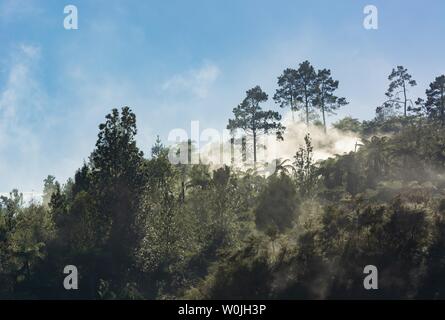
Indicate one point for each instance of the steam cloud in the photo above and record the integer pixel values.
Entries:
(326, 145)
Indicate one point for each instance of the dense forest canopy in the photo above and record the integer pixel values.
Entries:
(139, 226)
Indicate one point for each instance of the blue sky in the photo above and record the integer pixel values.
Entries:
(178, 61)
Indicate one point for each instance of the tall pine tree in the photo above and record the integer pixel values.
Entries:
(250, 117)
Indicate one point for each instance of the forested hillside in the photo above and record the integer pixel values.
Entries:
(140, 227)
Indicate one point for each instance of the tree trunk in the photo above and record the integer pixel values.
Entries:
(324, 118)
(244, 149)
(404, 100)
(254, 148)
(182, 191)
(442, 106)
(292, 109)
(232, 151)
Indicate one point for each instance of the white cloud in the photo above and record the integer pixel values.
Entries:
(195, 81)
(21, 99)
(20, 85)
(30, 51)
(21, 96)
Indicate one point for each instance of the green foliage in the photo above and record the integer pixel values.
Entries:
(144, 228)
(159, 212)
(277, 206)
(397, 94)
(158, 149)
(49, 187)
(297, 89)
(435, 103)
(348, 124)
(240, 274)
(117, 183)
(23, 244)
(306, 84)
(287, 94)
(324, 98)
(305, 170)
(306, 90)
(250, 117)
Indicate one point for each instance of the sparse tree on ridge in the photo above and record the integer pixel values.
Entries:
(287, 93)
(250, 117)
(325, 100)
(435, 102)
(397, 92)
(306, 77)
(297, 89)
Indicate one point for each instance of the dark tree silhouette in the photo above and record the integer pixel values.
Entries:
(397, 92)
(306, 78)
(324, 99)
(287, 93)
(435, 102)
(116, 169)
(250, 117)
(296, 89)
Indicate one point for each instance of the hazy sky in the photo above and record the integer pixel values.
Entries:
(177, 61)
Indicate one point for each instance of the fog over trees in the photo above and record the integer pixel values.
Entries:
(138, 226)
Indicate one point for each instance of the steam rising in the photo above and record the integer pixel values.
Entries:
(326, 145)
